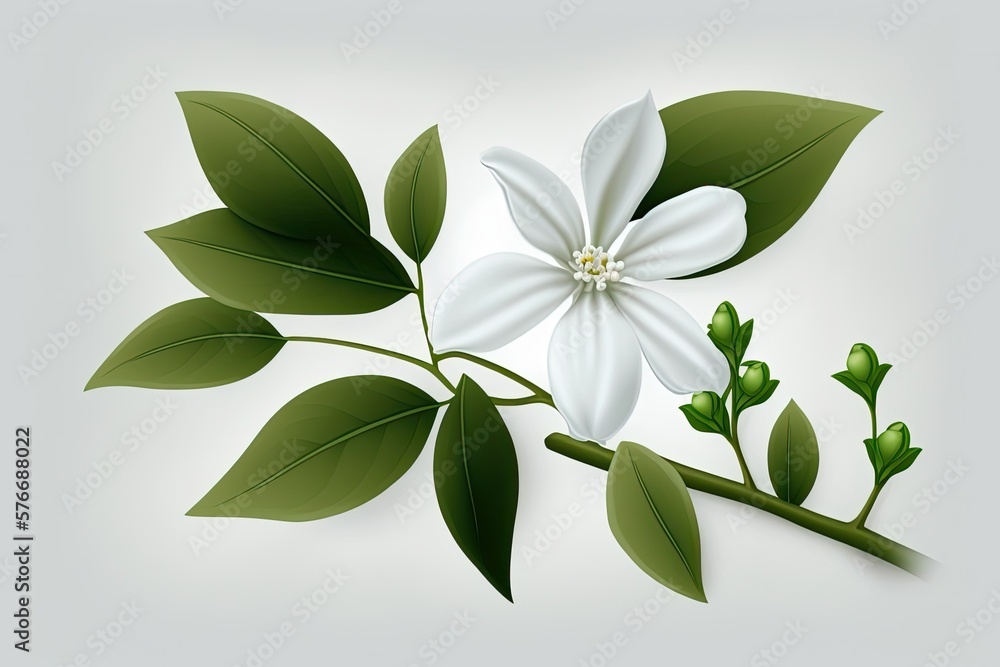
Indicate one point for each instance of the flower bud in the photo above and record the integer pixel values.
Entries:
(725, 322)
(895, 439)
(861, 362)
(755, 377)
(705, 403)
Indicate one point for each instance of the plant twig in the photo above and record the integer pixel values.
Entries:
(858, 537)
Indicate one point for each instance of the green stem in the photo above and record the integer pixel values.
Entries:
(846, 533)
(526, 400)
(862, 517)
(744, 468)
(423, 313)
(539, 394)
(734, 438)
(871, 408)
(430, 367)
(859, 521)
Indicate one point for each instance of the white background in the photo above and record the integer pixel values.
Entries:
(210, 603)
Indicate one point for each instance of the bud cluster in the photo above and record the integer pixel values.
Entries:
(890, 453)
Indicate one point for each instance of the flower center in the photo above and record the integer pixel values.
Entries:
(595, 268)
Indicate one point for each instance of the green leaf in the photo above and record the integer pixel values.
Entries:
(328, 450)
(245, 266)
(776, 149)
(698, 421)
(475, 474)
(743, 339)
(879, 376)
(900, 464)
(873, 453)
(792, 455)
(415, 195)
(746, 402)
(653, 519)
(192, 344)
(860, 388)
(273, 168)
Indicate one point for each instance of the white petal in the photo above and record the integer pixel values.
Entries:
(542, 206)
(683, 235)
(621, 159)
(594, 368)
(676, 347)
(495, 300)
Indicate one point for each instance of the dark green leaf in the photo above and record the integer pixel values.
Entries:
(273, 168)
(245, 266)
(653, 519)
(193, 344)
(860, 388)
(793, 455)
(328, 450)
(879, 376)
(698, 421)
(415, 195)
(475, 474)
(873, 453)
(900, 464)
(743, 338)
(766, 393)
(776, 149)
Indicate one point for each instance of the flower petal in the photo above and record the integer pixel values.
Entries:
(621, 159)
(693, 231)
(542, 206)
(594, 368)
(495, 300)
(677, 348)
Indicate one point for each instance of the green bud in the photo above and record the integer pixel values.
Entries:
(894, 440)
(755, 377)
(725, 322)
(861, 362)
(705, 403)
